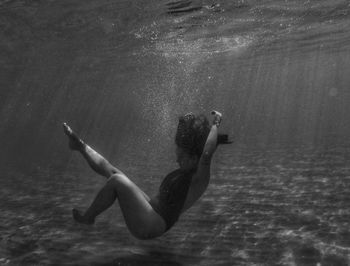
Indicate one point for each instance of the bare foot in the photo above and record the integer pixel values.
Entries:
(75, 143)
(80, 218)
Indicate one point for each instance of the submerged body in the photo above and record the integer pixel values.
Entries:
(170, 200)
(147, 217)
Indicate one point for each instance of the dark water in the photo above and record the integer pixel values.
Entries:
(120, 72)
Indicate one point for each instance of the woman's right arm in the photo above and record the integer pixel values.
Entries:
(200, 179)
(211, 143)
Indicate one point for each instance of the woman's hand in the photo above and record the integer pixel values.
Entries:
(217, 118)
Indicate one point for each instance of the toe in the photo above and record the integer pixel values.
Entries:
(67, 129)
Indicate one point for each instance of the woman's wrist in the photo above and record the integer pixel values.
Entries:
(217, 118)
(216, 121)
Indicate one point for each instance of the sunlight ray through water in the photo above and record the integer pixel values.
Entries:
(121, 72)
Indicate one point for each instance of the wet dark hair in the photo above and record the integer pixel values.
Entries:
(192, 133)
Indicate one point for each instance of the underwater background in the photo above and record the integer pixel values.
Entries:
(122, 72)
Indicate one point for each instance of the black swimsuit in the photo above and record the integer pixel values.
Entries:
(171, 197)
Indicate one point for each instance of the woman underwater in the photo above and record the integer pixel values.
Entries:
(146, 217)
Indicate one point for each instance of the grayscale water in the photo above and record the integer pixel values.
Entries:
(121, 72)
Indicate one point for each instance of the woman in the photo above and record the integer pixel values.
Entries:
(148, 217)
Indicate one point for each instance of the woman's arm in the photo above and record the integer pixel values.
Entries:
(211, 143)
(210, 146)
(200, 179)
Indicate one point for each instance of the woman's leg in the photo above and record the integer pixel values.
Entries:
(96, 161)
(142, 221)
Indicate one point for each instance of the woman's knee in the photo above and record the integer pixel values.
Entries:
(117, 179)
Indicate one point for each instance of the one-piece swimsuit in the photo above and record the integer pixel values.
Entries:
(171, 197)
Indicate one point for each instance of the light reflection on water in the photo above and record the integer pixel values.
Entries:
(261, 208)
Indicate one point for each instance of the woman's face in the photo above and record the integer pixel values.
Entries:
(186, 161)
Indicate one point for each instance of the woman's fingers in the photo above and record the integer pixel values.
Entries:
(216, 113)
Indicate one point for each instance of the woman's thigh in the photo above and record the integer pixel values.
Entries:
(140, 217)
